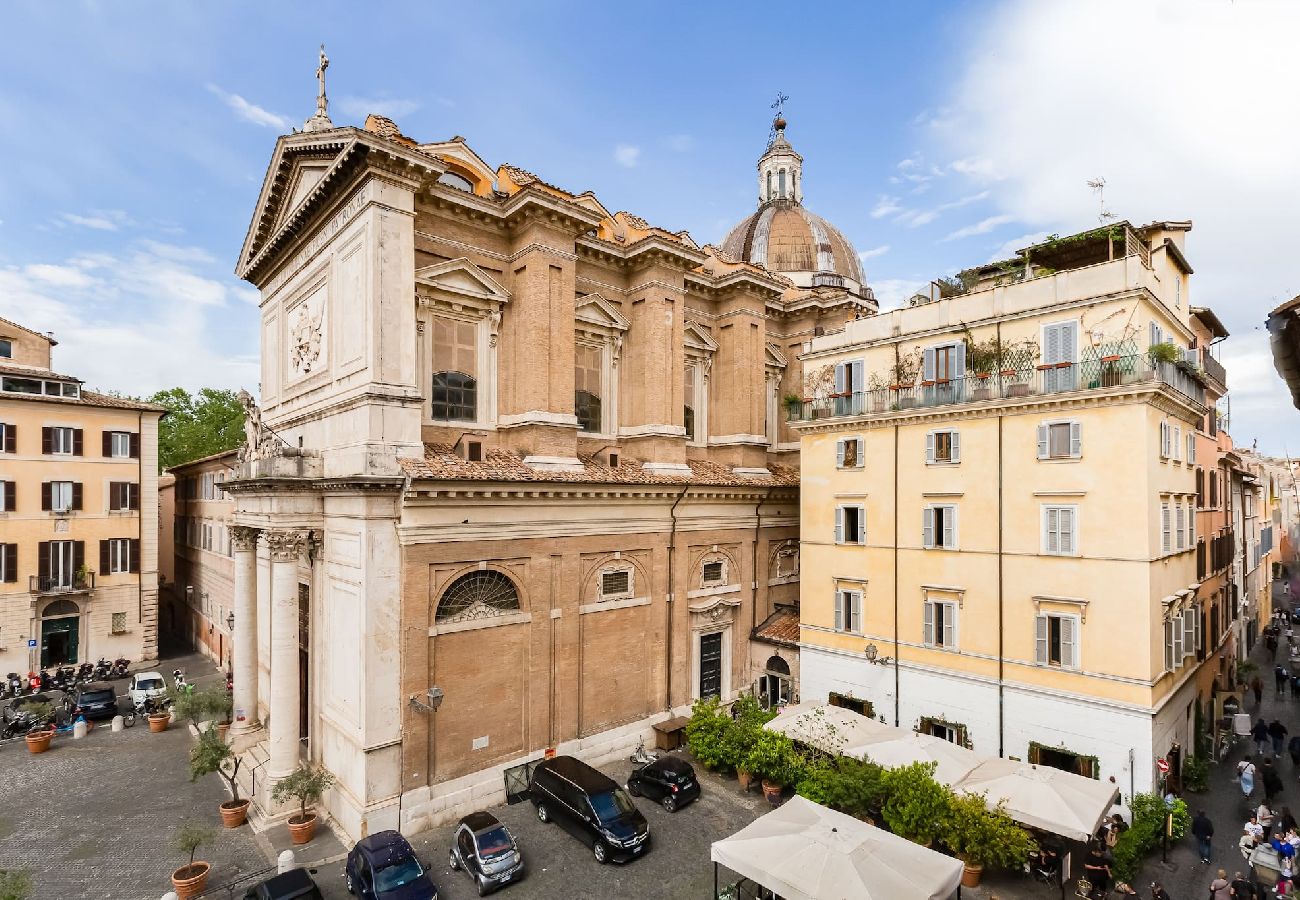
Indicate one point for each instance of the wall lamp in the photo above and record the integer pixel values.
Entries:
(434, 695)
(874, 657)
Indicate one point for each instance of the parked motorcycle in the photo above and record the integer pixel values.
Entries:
(13, 684)
(178, 679)
(121, 665)
(85, 672)
(33, 682)
(102, 668)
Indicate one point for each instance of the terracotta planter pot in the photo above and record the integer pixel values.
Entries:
(39, 741)
(190, 880)
(222, 729)
(745, 779)
(159, 722)
(981, 393)
(971, 875)
(234, 813)
(302, 831)
(772, 791)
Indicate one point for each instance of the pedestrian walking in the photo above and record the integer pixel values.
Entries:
(1271, 643)
(1264, 815)
(1278, 732)
(1260, 733)
(1272, 781)
(1242, 889)
(1203, 828)
(1221, 887)
(1246, 777)
(1257, 688)
(1280, 678)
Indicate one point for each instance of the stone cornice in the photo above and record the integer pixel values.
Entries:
(534, 204)
(348, 484)
(422, 493)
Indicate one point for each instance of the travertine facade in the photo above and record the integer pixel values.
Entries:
(78, 507)
(520, 478)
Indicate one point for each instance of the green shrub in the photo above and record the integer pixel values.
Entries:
(706, 731)
(15, 884)
(212, 754)
(917, 806)
(772, 757)
(1196, 774)
(981, 836)
(852, 786)
(1146, 832)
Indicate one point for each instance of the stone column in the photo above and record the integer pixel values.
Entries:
(244, 541)
(286, 547)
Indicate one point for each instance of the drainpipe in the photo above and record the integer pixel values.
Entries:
(898, 699)
(668, 607)
(1001, 630)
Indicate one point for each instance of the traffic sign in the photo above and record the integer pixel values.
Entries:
(1163, 766)
(31, 642)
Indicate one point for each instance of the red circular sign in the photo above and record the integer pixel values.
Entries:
(1162, 765)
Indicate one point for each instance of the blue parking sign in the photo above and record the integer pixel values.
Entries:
(31, 642)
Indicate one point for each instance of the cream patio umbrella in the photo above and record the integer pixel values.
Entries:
(829, 728)
(952, 761)
(804, 851)
(1042, 797)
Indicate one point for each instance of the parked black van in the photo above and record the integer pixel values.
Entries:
(591, 806)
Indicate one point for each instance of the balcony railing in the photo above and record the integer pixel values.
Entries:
(1213, 368)
(62, 584)
(1009, 385)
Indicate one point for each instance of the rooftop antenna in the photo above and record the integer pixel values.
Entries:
(778, 106)
(1098, 186)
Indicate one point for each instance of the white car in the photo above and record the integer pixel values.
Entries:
(147, 686)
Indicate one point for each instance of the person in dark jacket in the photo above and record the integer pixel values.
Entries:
(1257, 688)
(1203, 829)
(1280, 678)
(1260, 734)
(1293, 747)
(1278, 732)
(1272, 781)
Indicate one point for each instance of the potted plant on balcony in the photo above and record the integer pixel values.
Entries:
(213, 754)
(983, 358)
(981, 837)
(793, 405)
(1163, 352)
(1018, 360)
(42, 732)
(305, 784)
(190, 879)
(904, 371)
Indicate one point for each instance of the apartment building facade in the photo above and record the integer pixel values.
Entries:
(201, 594)
(998, 508)
(78, 507)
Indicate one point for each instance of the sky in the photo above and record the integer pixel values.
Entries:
(935, 135)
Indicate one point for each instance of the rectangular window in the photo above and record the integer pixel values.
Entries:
(1060, 440)
(1166, 440)
(939, 527)
(1191, 447)
(848, 611)
(1214, 489)
(1056, 643)
(1191, 526)
(713, 573)
(941, 624)
(119, 623)
(851, 524)
(1180, 525)
(1200, 488)
(1060, 353)
(8, 563)
(1166, 530)
(8, 496)
(60, 564)
(688, 401)
(119, 556)
(848, 453)
(615, 583)
(123, 495)
(8, 438)
(117, 444)
(455, 371)
(1060, 530)
(943, 446)
(1176, 442)
(1173, 642)
(588, 377)
(60, 496)
(62, 440)
(6, 349)
(1189, 632)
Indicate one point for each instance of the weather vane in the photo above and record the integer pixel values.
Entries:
(778, 106)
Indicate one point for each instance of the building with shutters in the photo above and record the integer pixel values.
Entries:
(998, 508)
(78, 515)
(520, 477)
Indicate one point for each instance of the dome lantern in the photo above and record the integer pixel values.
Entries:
(780, 169)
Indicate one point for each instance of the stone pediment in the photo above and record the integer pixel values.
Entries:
(594, 309)
(461, 277)
(305, 177)
(698, 338)
(774, 357)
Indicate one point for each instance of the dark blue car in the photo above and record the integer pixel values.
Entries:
(383, 866)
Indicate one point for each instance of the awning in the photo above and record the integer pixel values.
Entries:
(1042, 797)
(952, 762)
(804, 851)
(828, 728)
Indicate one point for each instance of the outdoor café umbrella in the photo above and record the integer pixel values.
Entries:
(828, 728)
(1043, 797)
(804, 851)
(952, 761)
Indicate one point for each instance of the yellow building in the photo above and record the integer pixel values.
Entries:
(78, 515)
(998, 507)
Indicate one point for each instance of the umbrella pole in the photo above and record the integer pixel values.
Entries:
(715, 881)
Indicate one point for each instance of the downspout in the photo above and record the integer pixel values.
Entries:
(1001, 561)
(668, 607)
(898, 700)
(139, 531)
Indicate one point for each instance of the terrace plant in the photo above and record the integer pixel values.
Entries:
(917, 807)
(213, 755)
(983, 837)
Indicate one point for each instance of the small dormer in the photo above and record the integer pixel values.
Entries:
(23, 347)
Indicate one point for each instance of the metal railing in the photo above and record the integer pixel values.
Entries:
(62, 584)
(1011, 384)
(1213, 368)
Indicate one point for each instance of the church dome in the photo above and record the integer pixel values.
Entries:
(787, 238)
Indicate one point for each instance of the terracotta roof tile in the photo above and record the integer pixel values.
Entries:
(440, 463)
(782, 627)
(33, 372)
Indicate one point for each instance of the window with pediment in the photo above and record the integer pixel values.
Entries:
(599, 327)
(454, 390)
(588, 382)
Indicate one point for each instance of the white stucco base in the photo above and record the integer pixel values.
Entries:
(1125, 739)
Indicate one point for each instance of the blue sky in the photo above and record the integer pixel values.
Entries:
(935, 135)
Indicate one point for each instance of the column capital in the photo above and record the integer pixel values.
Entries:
(286, 544)
(243, 537)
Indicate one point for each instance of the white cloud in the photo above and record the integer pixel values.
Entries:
(891, 293)
(983, 226)
(1208, 145)
(915, 218)
(679, 142)
(392, 107)
(873, 252)
(885, 206)
(251, 112)
(98, 219)
(627, 155)
(58, 276)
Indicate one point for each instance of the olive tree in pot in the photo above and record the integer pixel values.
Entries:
(305, 784)
(748, 718)
(213, 754)
(982, 837)
(190, 879)
(42, 730)
(771, 757)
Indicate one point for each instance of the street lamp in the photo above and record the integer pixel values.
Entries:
(230, 621)
(874, 657)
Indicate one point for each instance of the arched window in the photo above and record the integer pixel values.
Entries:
(780, 184)
(778, 665)
(451, 179)
(455, 397)
(60, 608)
(478, 595)
(769, 185)
(587, 407)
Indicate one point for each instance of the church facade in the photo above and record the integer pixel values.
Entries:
(520, 476)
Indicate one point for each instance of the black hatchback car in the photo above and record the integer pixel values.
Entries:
(591, 806)
(486, 850)
(382, 866)
(95, 700)
(295, 884)
(670, 781)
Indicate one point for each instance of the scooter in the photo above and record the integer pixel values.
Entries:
(121, 665)
(33, 682)
(178, 679)
(86, 672)
(102, 668)
(642, 756)
(14, 684)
